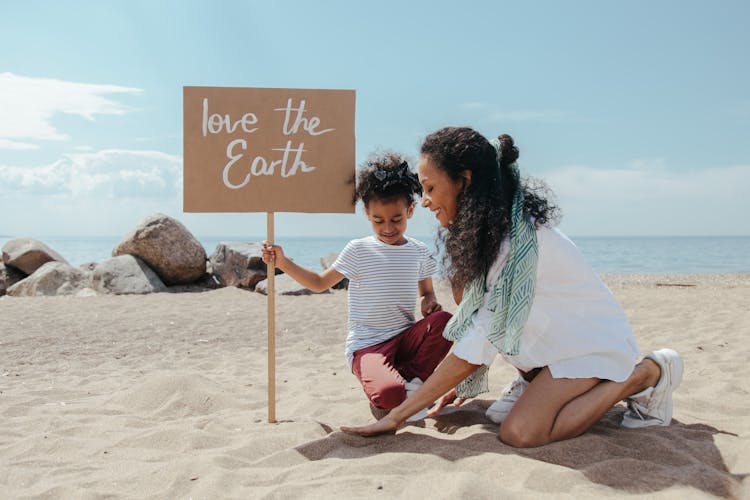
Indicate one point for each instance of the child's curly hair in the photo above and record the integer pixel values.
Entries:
(387, 177)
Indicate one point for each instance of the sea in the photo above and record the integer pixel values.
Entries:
(607, 255)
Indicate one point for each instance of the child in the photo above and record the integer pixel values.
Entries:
(385, 347)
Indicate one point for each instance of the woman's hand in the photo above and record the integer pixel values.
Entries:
(448, 398)
(386, 425)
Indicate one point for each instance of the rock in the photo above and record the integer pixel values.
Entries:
(327, 261)
(285, 285)
(205, 284)
(167, 247)
(53, 278)
(125, 275)
(28, 255)
(238, 264)
(9, 276)
(88, 266)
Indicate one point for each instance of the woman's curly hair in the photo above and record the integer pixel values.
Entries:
(483, 208)
(387, 177)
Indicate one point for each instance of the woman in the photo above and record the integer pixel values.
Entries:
(524, 291)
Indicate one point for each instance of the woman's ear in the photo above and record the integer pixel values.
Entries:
(466, 175)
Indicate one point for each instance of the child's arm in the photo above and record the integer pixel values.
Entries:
(429, 302)
(305, 277)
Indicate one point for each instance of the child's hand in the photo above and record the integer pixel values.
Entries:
(273, 254)
(430, 305)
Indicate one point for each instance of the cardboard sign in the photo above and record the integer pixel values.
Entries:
(268, 150)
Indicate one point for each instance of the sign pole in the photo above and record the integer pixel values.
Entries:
(271, 272)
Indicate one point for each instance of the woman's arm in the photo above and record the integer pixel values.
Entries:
(449, 372)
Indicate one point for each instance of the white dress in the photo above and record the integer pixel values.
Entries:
(576, 327)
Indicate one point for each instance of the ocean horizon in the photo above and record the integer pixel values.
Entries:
(605, 254)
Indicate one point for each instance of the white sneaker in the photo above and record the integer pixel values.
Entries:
(411, 387)
(500, 408)
(653, 405)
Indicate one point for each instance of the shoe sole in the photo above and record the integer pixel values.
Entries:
(671, 359)
(676, 368)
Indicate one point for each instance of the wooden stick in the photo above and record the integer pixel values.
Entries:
(271, 271)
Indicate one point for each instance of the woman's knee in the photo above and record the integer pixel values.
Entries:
(515, 433)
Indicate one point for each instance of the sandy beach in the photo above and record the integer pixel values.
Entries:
(164, 396)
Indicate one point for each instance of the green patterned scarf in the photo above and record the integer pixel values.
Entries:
(510, 299)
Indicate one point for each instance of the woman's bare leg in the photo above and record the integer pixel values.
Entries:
(553, 409)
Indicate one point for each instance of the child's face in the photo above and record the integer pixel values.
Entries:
(439, 191)
(388, 219)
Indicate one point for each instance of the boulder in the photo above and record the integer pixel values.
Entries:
(168, 248)
(88, 266)
(238, 264)
(285, 285)
(28, 255)
(205, 284)
(53, 278)
(9, 276)
(125, 275)
(327, 261)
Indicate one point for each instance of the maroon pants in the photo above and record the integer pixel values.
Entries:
(415, 352)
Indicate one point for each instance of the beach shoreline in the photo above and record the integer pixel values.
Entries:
(164, 396)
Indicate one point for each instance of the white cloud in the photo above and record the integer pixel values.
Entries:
(646, 198)
(29, 104)
(106, 174)
(7, 144)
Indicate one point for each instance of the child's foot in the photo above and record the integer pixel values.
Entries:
(653, 405)
(500, 408)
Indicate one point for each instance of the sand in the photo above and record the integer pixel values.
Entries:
(164, 396)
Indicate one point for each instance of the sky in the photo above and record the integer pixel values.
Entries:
(636, 114)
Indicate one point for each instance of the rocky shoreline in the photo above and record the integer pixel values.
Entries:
(159, 255)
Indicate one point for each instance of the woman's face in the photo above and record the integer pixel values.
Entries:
(439, 191)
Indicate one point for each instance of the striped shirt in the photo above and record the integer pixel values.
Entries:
(383, 288)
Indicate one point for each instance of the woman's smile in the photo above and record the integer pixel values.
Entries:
(439, 191)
